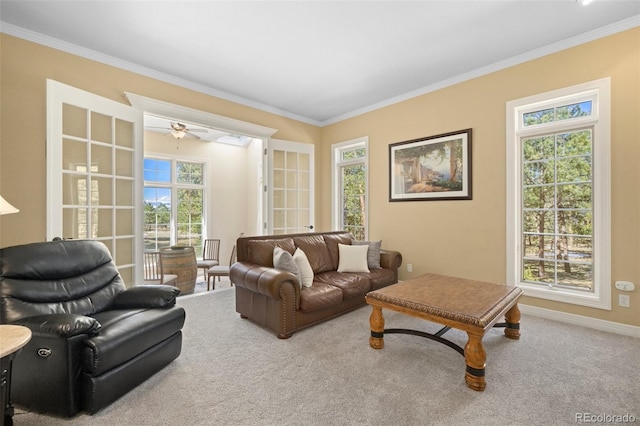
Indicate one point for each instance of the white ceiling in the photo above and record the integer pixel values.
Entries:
(317, 61)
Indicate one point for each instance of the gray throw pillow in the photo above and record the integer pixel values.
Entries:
(373, 254)
(282, 259)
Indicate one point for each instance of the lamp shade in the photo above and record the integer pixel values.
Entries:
(6, 208)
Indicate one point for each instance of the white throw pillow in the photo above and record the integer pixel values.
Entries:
(282, 259)
(352, 258)
(305, 267)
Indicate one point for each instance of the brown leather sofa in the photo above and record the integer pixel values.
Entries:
(274, 298)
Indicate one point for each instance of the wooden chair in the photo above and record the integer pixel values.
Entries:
(153, 270)
(210, 255)
(220, 270)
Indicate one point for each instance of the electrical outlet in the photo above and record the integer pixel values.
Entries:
(624, 300)
(409, 267)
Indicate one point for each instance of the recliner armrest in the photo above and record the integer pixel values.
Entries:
(62, 325)
(147, 296)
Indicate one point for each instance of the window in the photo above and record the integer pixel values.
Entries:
(350, 187)
(173, 203)
(558, 202)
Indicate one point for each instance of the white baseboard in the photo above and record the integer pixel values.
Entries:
(598, 324)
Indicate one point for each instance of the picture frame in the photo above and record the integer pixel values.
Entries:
(431, 168)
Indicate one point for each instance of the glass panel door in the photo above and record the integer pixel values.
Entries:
(290, 187)
(91, 173)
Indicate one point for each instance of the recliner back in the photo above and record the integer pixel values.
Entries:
(72, 276)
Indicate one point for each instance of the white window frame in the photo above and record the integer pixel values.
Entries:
(336, 182)
(599, 92)
(174, 186)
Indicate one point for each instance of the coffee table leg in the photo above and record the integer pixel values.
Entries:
(475, 357)
(376, 320)
(512, 317)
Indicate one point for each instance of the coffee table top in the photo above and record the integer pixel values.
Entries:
(470, 302)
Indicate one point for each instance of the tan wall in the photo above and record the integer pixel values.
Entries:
(462, 238)
(24, 68)
(467, 238)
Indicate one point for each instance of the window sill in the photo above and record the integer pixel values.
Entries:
(591, 300)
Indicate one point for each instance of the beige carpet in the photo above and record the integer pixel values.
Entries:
(232, 372)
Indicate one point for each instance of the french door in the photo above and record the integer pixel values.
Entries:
(290, 187)
(94, 158)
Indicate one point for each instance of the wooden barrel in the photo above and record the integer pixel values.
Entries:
(180, 261)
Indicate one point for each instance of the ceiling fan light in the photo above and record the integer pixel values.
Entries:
(178, 134)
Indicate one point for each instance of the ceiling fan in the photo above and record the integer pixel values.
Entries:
(179, 131)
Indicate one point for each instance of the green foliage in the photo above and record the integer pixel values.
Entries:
(353, 198)
(557, 202)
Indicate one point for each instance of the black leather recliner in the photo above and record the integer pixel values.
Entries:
(93, 340)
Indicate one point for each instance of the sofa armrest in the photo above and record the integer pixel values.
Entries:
(61, 325)
(390, 259)
(147, 296)
(263, 279)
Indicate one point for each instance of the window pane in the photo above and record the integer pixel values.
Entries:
(538, 197)
(575, 275)
(580, 109)
(576, 169)
(353, 153)
(538, 148)
(539, 271)
(157, 218)
(189, 173)
(538, 172)
(574, 196)
(538, 247)
(574, 143)
(157, 170)
(190, 214)
(538, 221)
(538, 117)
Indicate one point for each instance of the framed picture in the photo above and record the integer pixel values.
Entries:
(432, 168)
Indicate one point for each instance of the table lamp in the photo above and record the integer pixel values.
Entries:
(6, 208)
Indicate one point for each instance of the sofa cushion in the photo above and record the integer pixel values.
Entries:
(282, 259)
(379, 278)
(332, 241)
(261, 251)
(373, 255)
(353, 258)
(306, 272)
(319, 296)
(316, 250)
(352, 285)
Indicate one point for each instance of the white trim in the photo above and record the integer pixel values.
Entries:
(195, 116)
(601, 122)
(74, 49)
(57, 95)
(336, 192)
(94, 55)
(596, 34)
(299, 148)
(594, 323)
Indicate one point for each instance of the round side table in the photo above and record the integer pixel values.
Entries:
(12, 339)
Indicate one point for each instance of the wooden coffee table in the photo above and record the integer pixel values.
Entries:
(471, 306)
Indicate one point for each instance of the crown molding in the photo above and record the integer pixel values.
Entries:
(93, 55)
(54, 43)
(601, 32)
